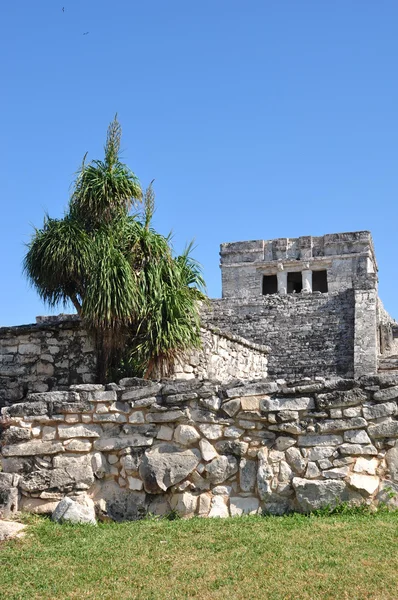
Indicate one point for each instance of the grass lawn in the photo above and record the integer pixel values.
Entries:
(351, 557)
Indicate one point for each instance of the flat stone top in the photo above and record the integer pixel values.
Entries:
(353, 242)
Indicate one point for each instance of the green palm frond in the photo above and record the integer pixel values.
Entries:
(105, 190)
(58, 260)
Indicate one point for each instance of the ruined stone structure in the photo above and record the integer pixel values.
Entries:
(313, 300)
(291, 404)
(202, 448)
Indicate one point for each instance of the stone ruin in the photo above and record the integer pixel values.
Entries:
(290, 405)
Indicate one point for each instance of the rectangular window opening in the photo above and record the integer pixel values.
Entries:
(270, 285)
(294, 283)
(319, 281)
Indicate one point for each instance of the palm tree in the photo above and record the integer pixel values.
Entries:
(133, 296)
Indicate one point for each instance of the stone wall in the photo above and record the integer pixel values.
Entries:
(43, 356)
(308, 334)
(56, 352)
(201, 448)
(223, 356)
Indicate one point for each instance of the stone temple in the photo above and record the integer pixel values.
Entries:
(312, 300)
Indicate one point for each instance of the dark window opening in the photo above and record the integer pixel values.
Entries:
(270, 284)
(294, 283)
(319, 281)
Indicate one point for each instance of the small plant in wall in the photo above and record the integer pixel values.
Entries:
(138, 300)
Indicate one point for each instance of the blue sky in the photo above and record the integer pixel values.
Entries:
(256, 119)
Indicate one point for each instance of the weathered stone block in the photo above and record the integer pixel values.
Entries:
(243, 506)
(313, 495)
(221, 468)
(119, 443)
(79, 431)
(279, 404)
(33, 448)
(166, 465)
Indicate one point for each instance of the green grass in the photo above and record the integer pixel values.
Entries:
(347, 556)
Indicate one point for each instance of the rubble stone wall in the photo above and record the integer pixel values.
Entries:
(223, 356)
(56, 353)
(43, 356)
(202, 448)
(308, 334)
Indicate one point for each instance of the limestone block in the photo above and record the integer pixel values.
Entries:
(386, 394)
(99, 465)
(165, 417)
(357, 449)
(38, 506)
(204, 505)
(184, 504)
(244, 506)
(234, 447)
(213, 403)
(388, 428)
(109, 418)
(367, 465)
(134, 483)
(330, 426)
(139, 393)
(356, 437)
(233, 432)
(285, 472)
(218, 507)
(337, 399)
(296, 460)
(10, 530)
(284, 442)
(312, 471)
(212, 432)
(102, 396)
(364, 483)
(77, 468)
(392, 463)
(208, 451)
(280, 404)
(222, 490)
(79, 431)
(247, 475)
(319, 440)
(221, 468)
(33, 448)
(264, 475)
(165, 433)
(14, 435)
(8, 495)
(72, 418)
(167, 465)
(231, 407)
(353, 411)
(186, 435)
(77, 445)
(379, 410)
(49, 433)
(69, 510)
(137, 417)
(313, 494)
(320, 453)
(119, 443)
(336, 473)
(250, 403)
(388, 494)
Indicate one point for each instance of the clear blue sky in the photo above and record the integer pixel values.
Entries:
(257, 119)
